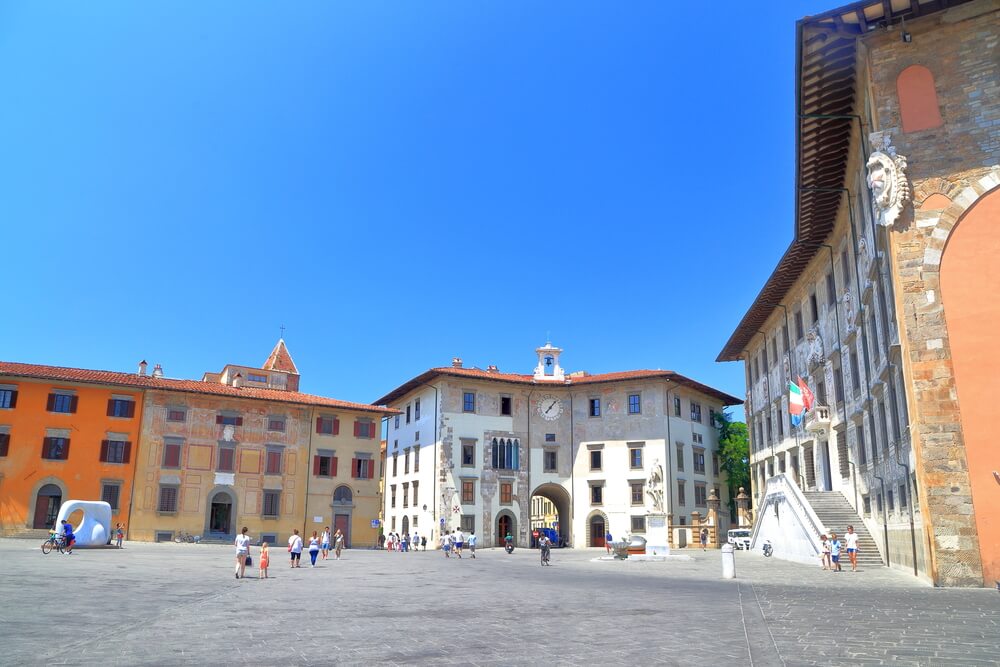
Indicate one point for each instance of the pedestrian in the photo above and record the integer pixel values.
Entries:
(415, 542)
(851, 542)
(325, 542)
(459, 542)
(313, 548)
(446, 544)
(381, 541)
(265, 559)
(824, 551)
(607, 541)
(68, 535)
(835, 551)
(119, 534)
(405, 542)
(472, 543)
(295, 548)
(545, 545)
(423, 542)
(242, 552)
(338, 543)
(704, 538)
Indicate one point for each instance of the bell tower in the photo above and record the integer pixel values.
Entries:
(548, 367)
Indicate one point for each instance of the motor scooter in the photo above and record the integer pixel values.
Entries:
(508, 546)
(768, 548)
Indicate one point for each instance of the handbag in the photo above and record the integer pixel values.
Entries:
(249, 561)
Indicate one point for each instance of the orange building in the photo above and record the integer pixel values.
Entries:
(65, 433)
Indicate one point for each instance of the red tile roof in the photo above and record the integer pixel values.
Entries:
(83, 375)
(280, 359)
(571, 380)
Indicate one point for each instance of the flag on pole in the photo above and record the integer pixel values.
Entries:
(795, 404)
(808, 398)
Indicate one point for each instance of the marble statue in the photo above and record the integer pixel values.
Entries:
(786, 367)
(95, 529)
(655, 486)
(887, 179)
(815, 343)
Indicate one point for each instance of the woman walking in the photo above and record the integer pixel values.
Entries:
(338, 543)
(295, 548)
(325, 542)
(242, 552)
(313, 548)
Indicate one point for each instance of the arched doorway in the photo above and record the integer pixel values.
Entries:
(221, 513)
(550, 510)
(597, 528)
(969, 278)
(406, 524)
(343, 509)
(506, 525)
(48, 500)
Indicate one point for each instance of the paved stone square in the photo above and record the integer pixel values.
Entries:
(168, 604)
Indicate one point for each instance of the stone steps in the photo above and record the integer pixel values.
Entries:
(836, 514)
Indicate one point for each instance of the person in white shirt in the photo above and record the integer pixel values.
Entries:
(851, 541)
(242, 552)
(459, 542)
(415, 542)
(472, 543)
(324, 541)
(295, 548)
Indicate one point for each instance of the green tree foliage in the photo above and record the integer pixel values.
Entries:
(734, 454)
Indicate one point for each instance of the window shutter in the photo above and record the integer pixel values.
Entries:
(104, 450)
(333, 467)
(218, 419)
(72, 404)
(336, 427)
(316, 465)
(50, 404)
(319, 422)
(45, 447)
(13, 399)
(131, 409)
(357, 428)
(66, 450)
(239, 421)
(111, 409)
(126, 457)
(371, 472)
(354, 468)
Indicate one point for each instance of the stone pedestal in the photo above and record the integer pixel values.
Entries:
(657, 534)
(743, 509)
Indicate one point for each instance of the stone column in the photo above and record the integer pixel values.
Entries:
(713, 520)
(743, 509)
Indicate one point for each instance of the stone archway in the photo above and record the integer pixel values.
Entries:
(220, 517)
(343, 512)
(506, 524)
(597, 528)
(970, 281)
(558, 500)
(46, 500)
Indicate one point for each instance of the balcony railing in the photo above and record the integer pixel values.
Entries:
(818, 419)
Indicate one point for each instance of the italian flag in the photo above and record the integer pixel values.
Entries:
(795, 403)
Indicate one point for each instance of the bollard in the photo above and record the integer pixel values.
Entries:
(728, 562)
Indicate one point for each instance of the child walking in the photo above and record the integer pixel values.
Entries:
(264, 558)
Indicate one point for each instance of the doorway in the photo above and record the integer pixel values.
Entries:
(406, 524)
(598, 529)
(47, 504)
(827, 474)
(550, 505)
(342, 522)
(220, 514)
(505, 527)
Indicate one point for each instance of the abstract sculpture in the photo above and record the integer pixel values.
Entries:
(95, 529)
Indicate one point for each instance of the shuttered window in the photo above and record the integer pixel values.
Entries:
(116, 451)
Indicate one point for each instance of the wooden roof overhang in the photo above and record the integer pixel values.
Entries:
(826, 52)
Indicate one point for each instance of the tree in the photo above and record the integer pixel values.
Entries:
(734, 454)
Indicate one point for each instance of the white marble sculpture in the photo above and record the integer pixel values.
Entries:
(815, 342)
(655, 486)
(887, 179)
(95, 529)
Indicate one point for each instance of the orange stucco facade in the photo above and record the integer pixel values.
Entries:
(57, 447)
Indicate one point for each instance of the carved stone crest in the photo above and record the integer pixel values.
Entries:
(887, 179)
(815, 343)
(849, 313)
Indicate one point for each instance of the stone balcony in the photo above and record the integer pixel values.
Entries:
(818, 419)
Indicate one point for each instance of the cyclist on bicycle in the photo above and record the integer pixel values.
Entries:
(69, 536)
(545, 544)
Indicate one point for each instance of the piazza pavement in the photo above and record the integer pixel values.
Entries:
(174, 604)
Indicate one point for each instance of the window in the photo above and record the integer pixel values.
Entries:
(121, 407)
(273, 462)
(831, 290)
(715, 464)
(272, 500)
(873, 340)
(406, 494)
(416, 409)
(364, 429)
(276, 423)
(362, 468)
(115, 451)
(638, 524)
(878, 502)
(8, 398)
(416, 459)
(505, 405)
(697, 438)
(855, 373)
(550, 437)
(468, 491)
(918, 101)
(392, 497)
(638, 491)
(468, 523)
(549, 460)
(229, 420)
(699, 461)
(468, 402)
(168, 499)
(327, 425)
(596, 459)
(396, 422)
(866, 504)
(862, 448)
(681, 495)
(61, 403)
(416, 493)
(634, 406)
(814, 308)
(110, 494)
(677, 406)
(4, 444)
(711, 417)
(781, 425)
(838, 385)
(890, 502)
(393, 520)
(845, 267)
(635, 457)
(700, 497)
(408, 409)
(406, 461)
(227, 459)
(172, 452)
(176, 414)
(395, 463)
(695, 412)
(596, 494)
(902, 496)
(595, 407)
(799, 331)
(55, 449)
(256, 377)
(506, 454)
(468, 454)
(506, 492)
(415, 521)
(680, 458)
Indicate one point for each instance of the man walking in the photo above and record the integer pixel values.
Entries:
(459, 542)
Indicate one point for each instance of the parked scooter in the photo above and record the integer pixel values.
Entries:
(768, 548)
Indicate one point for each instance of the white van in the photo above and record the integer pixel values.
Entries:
(739, 538)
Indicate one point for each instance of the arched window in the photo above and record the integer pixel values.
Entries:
(918, 102)
(343, 495)
(506, 454)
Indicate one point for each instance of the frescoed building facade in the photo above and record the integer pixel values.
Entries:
(884, 301)
(476, 449)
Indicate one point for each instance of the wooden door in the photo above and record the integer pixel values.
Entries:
(504, 528)
(47, 506)
(342, 522)
(597, 532)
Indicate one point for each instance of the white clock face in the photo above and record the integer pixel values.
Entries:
(549, 407)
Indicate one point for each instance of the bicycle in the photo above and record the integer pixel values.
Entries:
(546, 554)
(185, 537)
(55, 541)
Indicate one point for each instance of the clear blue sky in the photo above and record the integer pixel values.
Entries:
(396, 183)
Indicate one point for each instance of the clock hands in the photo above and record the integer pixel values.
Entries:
(552, 405)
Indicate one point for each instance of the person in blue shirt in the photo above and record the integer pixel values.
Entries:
(70, 537)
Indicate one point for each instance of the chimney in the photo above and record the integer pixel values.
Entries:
(142, 367)
(238, 380)
(456, 362)
(492, 369)
(157, 371)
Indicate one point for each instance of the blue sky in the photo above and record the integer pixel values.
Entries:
(395, 183)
